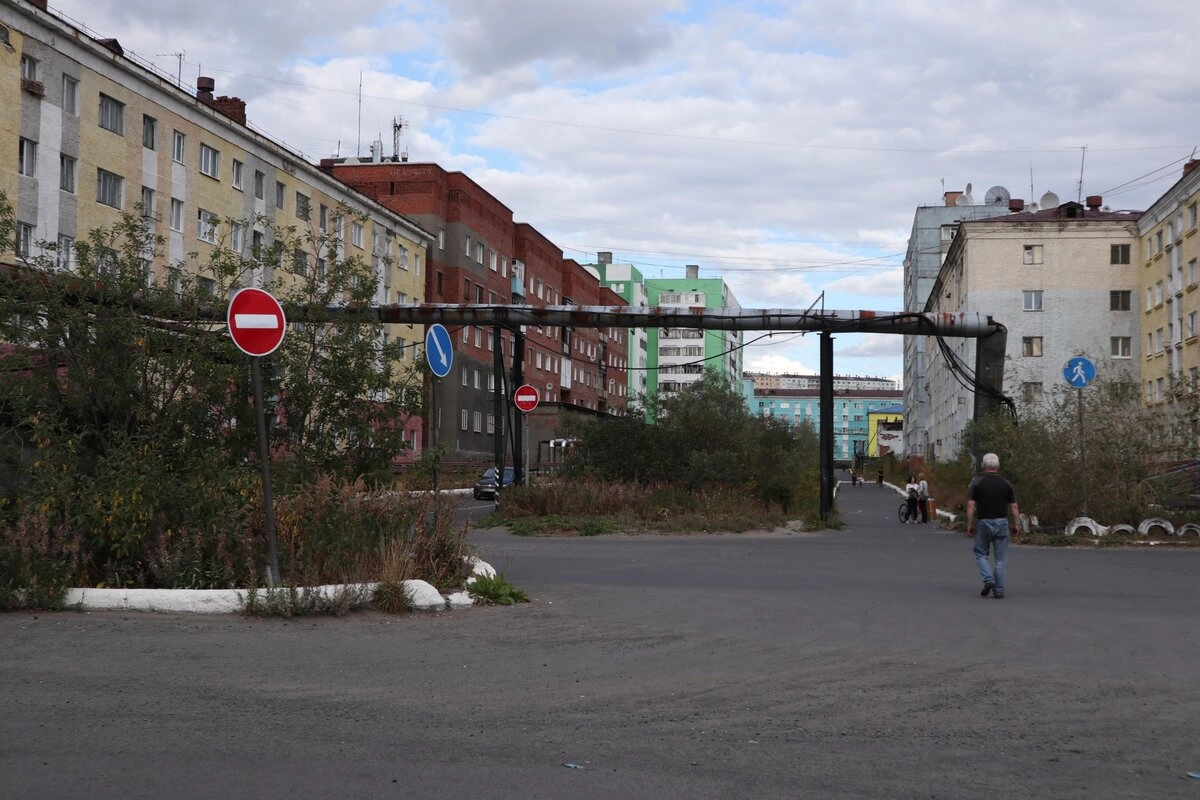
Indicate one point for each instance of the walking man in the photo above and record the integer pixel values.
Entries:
(991, 502)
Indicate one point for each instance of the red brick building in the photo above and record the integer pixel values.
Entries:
(482, 256)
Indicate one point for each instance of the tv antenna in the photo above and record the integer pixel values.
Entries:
(398, 126)
(179, 69)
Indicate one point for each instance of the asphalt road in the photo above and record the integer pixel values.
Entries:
(859, 663)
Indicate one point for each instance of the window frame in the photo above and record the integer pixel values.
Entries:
(70, 102)
(1032, 346)
(176, 223)
(178, 146)
(1120, 347)
(67, 170)
(235, 173)
(1120, 300)
(26, 157)
(115, 185)
(1032, 300)
(149, 132)
(210, 161)
(112, 112)
(205, 217)
(1119, 253)
(1032, 255)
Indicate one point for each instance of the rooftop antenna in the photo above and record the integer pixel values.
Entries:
(398, 126)
(1082, 156)
(179, 68)
(1031, 179)
(358, 150)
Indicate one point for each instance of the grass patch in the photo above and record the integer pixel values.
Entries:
(494, 590)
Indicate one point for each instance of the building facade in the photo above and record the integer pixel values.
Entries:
(1061, 280)
(97, 134)
(851, 412)
(1168, 254)
(677, 357)
(932, 232)
(481, 255)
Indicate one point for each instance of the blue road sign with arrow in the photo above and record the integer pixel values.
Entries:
(438, 351)
(1079, 372)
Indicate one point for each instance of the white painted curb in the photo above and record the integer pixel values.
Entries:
(423, 596)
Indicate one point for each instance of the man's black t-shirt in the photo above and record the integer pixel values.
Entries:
(992, 495)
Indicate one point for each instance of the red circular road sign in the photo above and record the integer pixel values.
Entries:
(525, 398)
(256, 321)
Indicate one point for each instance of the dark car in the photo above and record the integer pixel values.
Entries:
(485, 487)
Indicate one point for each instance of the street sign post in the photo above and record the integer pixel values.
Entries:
(526, 398)
(1079, 372)
(256, 321)
(438, 350)
(256, 325)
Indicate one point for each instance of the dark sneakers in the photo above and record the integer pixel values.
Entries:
(998, 595)
(988, 586)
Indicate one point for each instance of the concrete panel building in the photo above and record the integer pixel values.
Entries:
(1061, 280)
(1168, 300)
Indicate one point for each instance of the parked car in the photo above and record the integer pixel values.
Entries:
(485, 487)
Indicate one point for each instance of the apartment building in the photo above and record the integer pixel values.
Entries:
(933, 230)
(852, 412)
(628, 283)
(677, 357)
(1169, 250)
(481, 255)
(766, 380)
(1061, 280)
(95, 132)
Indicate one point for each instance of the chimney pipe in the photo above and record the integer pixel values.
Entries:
(1191, 165)
(692, 271)
(1094, 201)
(604, 257)
(204, 88)
(1015, 205)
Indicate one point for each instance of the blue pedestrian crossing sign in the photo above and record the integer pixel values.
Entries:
(1079, 372)
(438, 352)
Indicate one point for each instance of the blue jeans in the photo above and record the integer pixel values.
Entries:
(992, 534)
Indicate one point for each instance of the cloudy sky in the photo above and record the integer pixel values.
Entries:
(782, 145)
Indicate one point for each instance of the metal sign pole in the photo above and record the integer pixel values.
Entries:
(264, 456)
(1082, 454)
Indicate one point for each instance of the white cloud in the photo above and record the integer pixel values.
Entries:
(783, 145)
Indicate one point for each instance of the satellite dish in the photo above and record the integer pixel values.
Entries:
(351, 160)
(1050, 200)
(965, 198)
(996, 196)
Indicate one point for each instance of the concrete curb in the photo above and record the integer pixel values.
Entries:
(424, 597)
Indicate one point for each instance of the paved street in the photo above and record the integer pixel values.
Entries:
(851, 663)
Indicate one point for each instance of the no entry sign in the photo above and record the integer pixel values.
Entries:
(256, 322)
(525, 398)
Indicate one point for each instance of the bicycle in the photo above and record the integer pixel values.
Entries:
(904, 512)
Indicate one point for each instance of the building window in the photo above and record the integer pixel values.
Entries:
(1191, 324)
(1033, 300)
(479, 252)
(1031, 346)
(1121, 346)
(1118, 254)
(260, 181)
(177, 142)
(149, 132)
(303, 206)
(465, 418)
(280, 192)
(176, 214)
(237, 174)
(109, 188)
(1192, 215)
(1119, 300)
(23, 245)
(467, 246)
(148, 195)
(356, 234)
(210, 161)
(70, 101)
(112, 115)
(1032, 254)
(29, 68)
(237, 236)
(206, 226)
(1158, 293)
(300, 262)
(1031, 392)
(65, 255)
(26, 157)
(441, 238)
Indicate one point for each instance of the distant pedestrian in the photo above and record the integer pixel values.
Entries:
(911, 493)
(923, 497)
(991, 502)
(879, 478)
